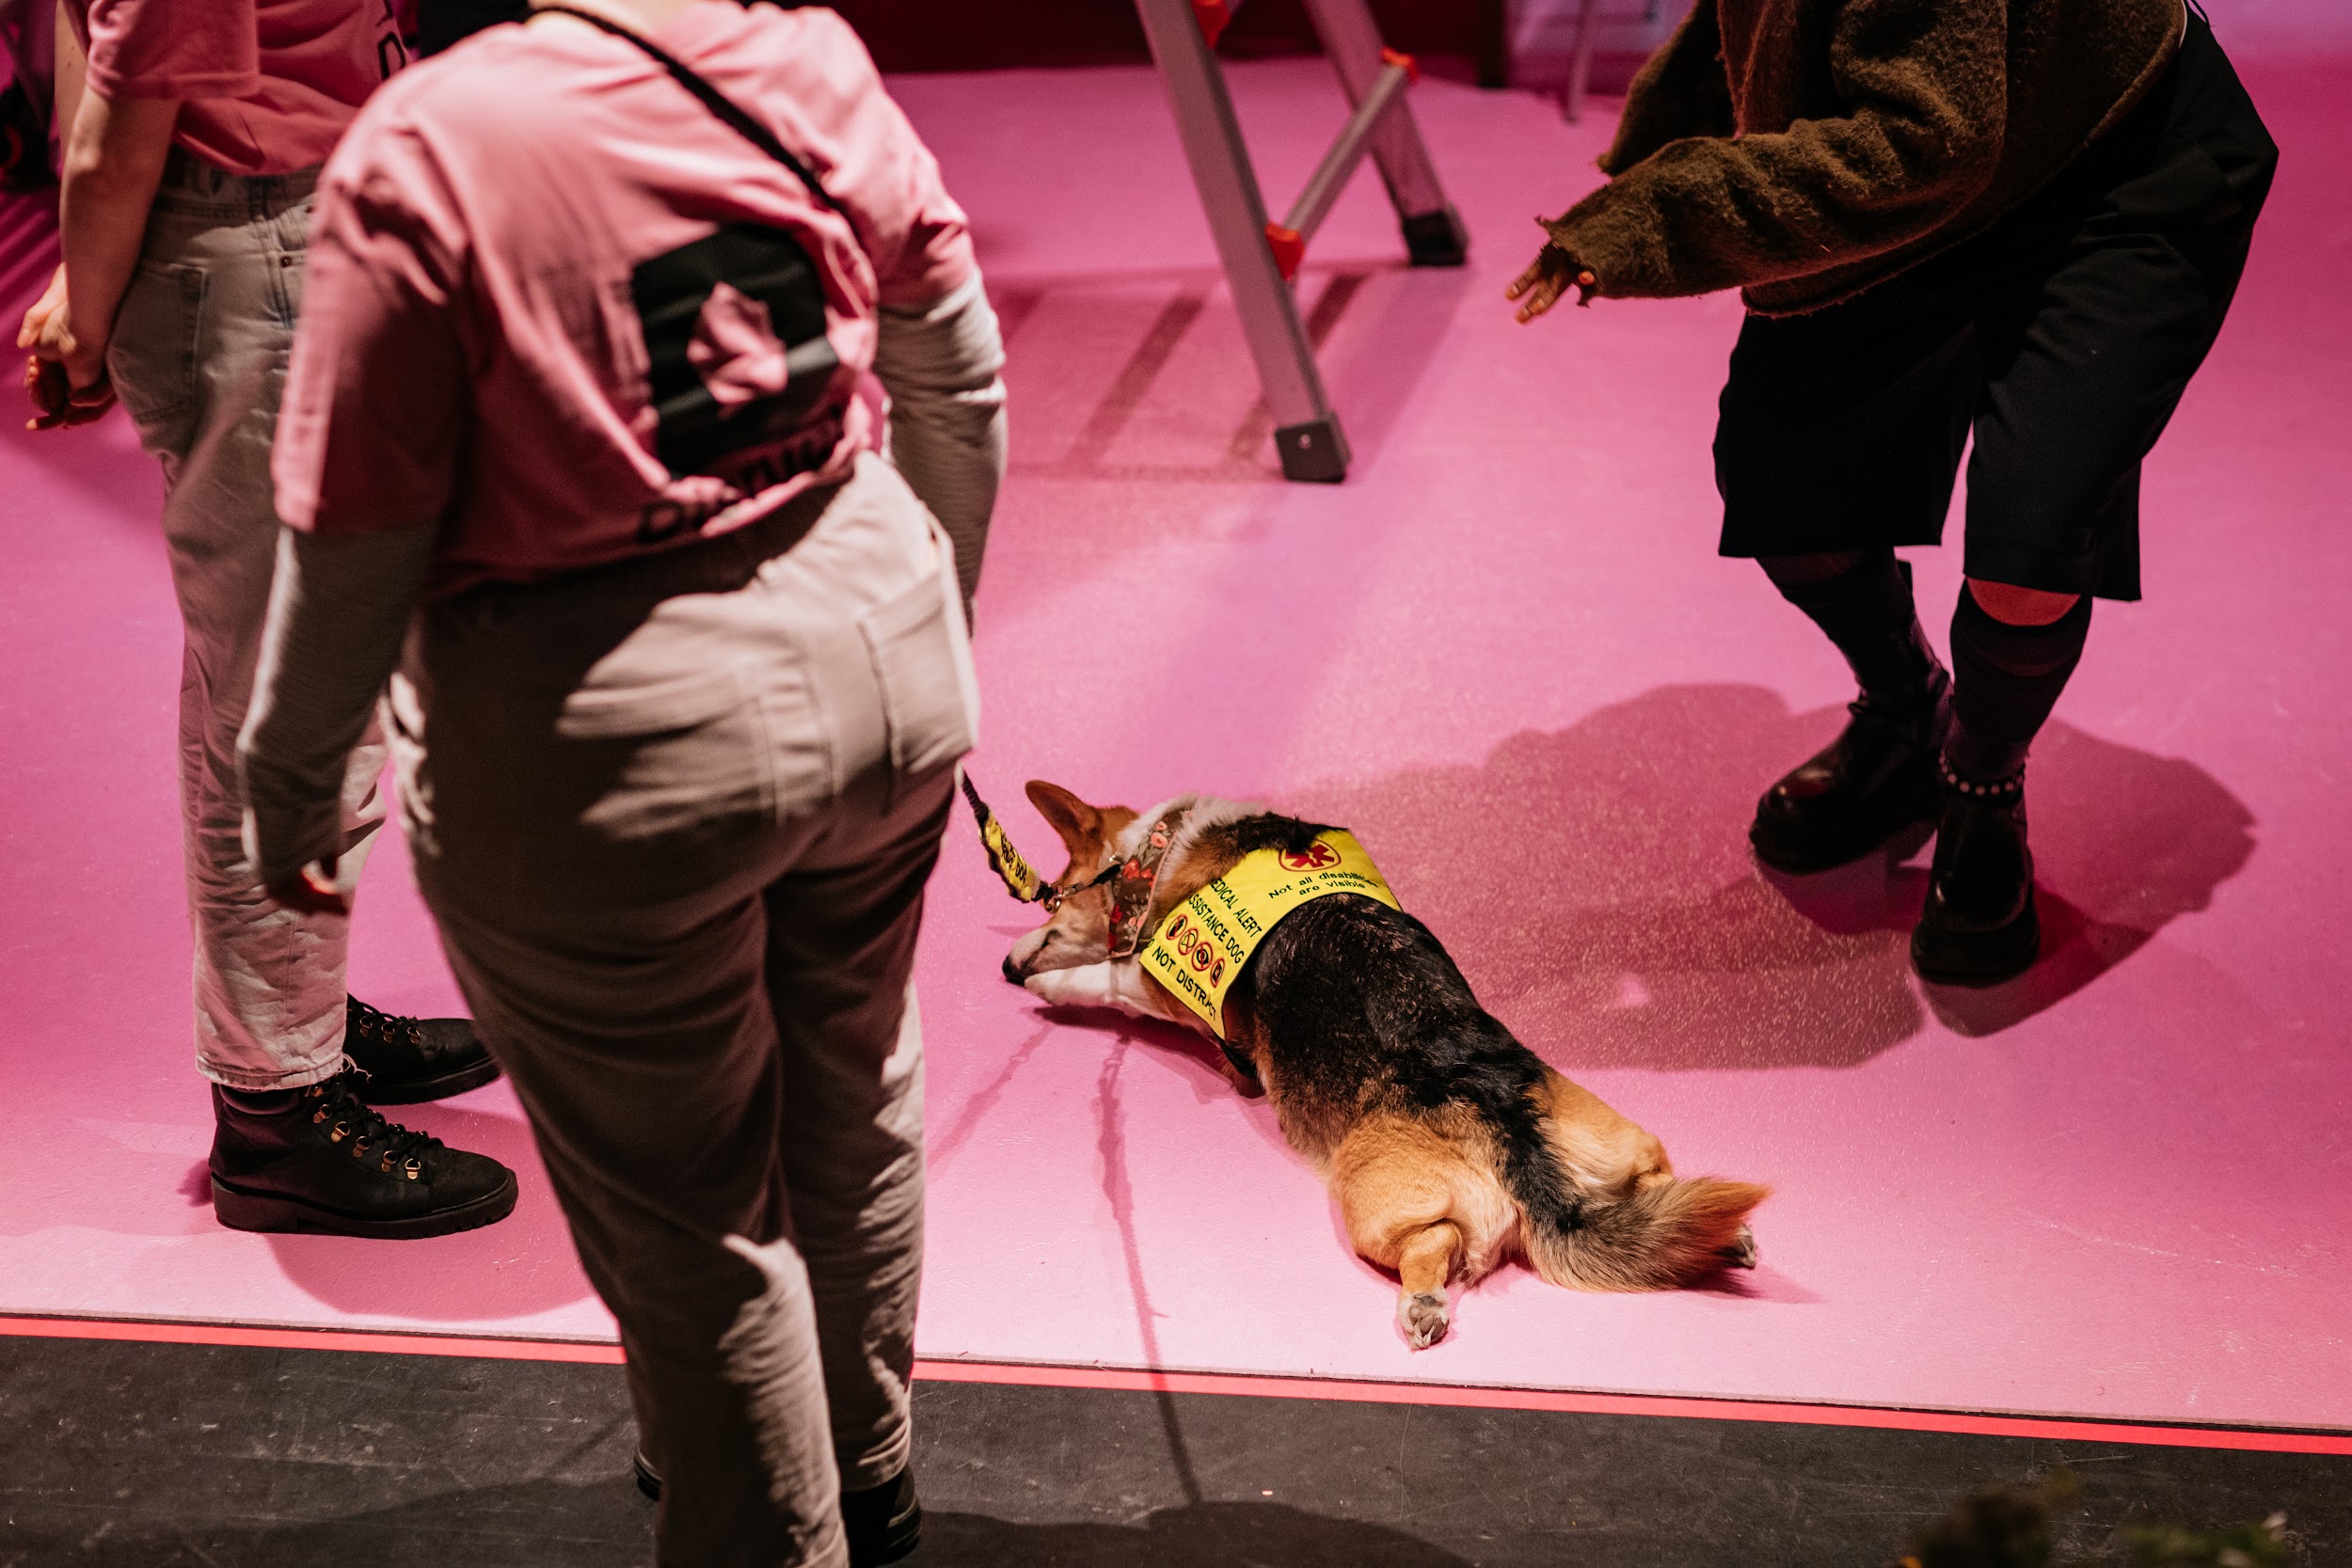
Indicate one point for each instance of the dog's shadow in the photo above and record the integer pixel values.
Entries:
(1595, 885)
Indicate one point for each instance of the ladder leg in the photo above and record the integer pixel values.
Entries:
(1307, 432)
(1434, 235)
(1581, 68)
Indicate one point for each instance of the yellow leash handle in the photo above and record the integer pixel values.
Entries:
(1021, 882)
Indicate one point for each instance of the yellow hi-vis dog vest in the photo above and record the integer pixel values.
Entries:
(1199, 948)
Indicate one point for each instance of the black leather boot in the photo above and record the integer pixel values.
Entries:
(1979, 926)
(1876, 779)
(317, 1159)
(883, 1524)
(405, 1060)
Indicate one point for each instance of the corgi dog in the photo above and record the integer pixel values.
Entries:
(1450, 1147)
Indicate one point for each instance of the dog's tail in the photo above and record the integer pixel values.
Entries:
(1662, 1236)
(1657, 1234)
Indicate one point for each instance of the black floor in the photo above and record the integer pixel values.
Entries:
(151, 1455)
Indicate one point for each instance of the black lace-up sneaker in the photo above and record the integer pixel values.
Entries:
(1979, 926)
(885, 1524)
(319, 1160)
(405, 1060)
(1876, 779)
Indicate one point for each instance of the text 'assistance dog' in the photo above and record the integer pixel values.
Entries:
(1450, 1145)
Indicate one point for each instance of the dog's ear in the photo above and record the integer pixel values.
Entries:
(1079, 824)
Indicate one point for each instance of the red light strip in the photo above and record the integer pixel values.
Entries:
(364, 1340)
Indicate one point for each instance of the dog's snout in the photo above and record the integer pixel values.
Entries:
(1042, 950)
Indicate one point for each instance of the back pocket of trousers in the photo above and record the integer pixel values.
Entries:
(151, 357)
(923, 663)
(668, 764)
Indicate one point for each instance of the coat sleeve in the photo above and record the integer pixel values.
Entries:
(1680, 91)
(1923, 87)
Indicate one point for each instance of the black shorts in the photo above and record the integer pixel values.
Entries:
(2062, 337)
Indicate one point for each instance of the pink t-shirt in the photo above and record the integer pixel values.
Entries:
(558, 305)
(266, 86)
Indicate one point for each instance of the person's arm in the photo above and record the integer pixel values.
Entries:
(942, 363)
(43, 382)
(376, 405)
(938, 352)
(339, 607)
(72, 70)
(114, 160)
(1925, 87)
(1679, 91)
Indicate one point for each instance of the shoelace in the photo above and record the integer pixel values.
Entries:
(383, 1025)
(365, 1130)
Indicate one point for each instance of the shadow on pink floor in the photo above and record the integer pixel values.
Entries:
(1573, 877)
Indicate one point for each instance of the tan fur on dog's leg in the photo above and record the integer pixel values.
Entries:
(1423, 1269)
(1395, 1181)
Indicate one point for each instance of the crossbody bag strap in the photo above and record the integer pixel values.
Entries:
(712, 99)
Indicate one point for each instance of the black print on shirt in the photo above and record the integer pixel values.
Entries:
(754, 440)
(391, 50)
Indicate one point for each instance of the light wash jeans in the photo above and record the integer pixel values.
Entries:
(199, 358)
(675, 817)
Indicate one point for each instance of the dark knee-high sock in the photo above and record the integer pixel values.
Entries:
(1867, 610)
(2005, 681)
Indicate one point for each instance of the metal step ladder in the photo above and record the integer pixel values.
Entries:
(1262, 256)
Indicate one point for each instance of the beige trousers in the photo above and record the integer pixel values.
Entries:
(675, 819)
(199, 356)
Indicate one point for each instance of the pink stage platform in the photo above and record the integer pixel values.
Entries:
(1506, 655)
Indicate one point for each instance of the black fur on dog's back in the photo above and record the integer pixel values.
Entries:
(1364, 1011)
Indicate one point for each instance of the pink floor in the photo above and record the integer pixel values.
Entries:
(1506, 653)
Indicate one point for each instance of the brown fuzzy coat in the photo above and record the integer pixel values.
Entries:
(1804, 149)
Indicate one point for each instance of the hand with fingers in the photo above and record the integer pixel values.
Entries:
(1551, 274)
(64, 375)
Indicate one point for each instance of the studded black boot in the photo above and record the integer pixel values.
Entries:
(1980, 926)
(317, 1159)
(1876, 779)
(405, 1060)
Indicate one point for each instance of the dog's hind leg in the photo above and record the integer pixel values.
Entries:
(1392, 1178)
(1423, 1266)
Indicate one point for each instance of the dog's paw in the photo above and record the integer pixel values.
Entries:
(1741, 1253)
(1068, 988)
(1423, 1317)
(1110, 984)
